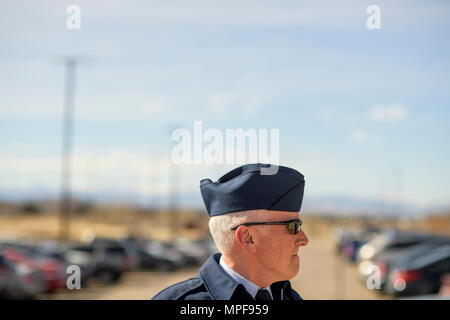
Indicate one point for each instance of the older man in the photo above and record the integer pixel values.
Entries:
(255, 224)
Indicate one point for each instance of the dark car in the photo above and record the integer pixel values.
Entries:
(194, 253)
(128, 258)
(387, 259)
(388, 240)
(111, 263)
(132, 246)
(208, 244)
(81, 256)
(102, 260)
(420, 276)
(160, 256)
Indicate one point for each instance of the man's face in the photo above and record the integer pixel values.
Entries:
(277, 249)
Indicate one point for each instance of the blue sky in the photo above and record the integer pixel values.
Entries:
(356, 108)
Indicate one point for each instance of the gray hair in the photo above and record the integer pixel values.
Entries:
(220, 227)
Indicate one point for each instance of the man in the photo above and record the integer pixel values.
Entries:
(256, 227)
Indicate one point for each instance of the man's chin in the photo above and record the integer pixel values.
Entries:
(295, 264)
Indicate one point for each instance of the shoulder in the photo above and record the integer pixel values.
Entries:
(190, 289)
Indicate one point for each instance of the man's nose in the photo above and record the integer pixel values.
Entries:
(302, 238)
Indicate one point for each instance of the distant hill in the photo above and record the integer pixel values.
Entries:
(329, 205)
(340, 205)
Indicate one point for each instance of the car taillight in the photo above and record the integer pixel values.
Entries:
(407, 275)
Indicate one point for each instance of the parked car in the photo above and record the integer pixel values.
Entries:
(160, 256)
(387, 259)
(104, 261)
(388, 240)
(193, 253)
(52, 266)
(209, 245)
(420, 276)
(132, 247)
(349, 242)
(126, 258)
(24, 280)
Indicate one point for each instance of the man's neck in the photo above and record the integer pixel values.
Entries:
(247, 270)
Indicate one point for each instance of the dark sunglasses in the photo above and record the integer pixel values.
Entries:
(293, 226)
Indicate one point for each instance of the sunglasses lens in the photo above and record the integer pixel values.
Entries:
(293, 227)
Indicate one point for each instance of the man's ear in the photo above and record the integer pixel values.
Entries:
(244, 238)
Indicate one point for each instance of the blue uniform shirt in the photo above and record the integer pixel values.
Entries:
(213, 283)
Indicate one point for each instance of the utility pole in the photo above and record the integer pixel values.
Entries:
(66, 204)
(174, 189)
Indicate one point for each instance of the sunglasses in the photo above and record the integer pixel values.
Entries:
(293, 226)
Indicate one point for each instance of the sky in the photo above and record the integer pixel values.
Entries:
(361, 113)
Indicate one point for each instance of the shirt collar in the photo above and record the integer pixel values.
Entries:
(248, 285)
(219, 284)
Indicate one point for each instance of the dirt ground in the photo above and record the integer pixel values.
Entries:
(323, 275)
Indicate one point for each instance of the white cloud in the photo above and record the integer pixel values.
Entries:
(393, 112)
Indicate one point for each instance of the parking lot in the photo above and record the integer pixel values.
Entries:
(118, 267)
(323, 275)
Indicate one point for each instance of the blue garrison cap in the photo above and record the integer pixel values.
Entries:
(250, 187)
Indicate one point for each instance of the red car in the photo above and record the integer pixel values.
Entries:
(52, 270)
